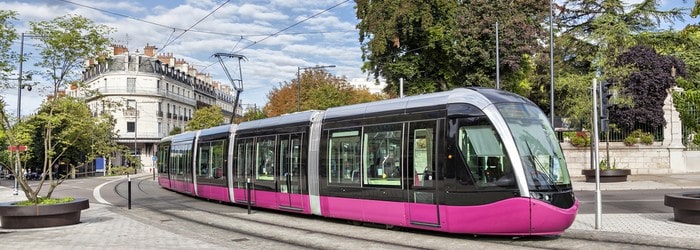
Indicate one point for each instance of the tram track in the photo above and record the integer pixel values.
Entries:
(229, 225)
(259, 228)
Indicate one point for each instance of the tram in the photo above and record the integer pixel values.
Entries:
(466, 161)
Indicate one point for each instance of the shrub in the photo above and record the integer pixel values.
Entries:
(605, 166)
(121, 170)
(639, 136)
(581, 139)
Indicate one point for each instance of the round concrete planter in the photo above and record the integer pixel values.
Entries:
(686, 206)
(607, 175)
(19, 217)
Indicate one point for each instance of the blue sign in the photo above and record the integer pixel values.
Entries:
(100, 165)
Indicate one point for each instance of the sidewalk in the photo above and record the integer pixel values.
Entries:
(690, 181)
(652, 227)
(100, 228)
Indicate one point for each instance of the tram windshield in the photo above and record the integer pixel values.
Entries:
(539, 149)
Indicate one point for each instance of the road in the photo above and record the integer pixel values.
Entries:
(626, 201)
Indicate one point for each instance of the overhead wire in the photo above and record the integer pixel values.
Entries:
(195, 30)
(195, 24)
(291, 26)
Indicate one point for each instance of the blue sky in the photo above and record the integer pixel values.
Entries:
(324, 34)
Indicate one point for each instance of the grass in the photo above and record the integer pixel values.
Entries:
(45, 201)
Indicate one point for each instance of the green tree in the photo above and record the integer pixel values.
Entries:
(319, 90)
(69, 143)
(595, 34)
(206, 117)
(7, 35)
(251, 114)
(439, 45)
(175, 130)
(66, 42)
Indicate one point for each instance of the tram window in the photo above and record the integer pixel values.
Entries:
(344, 157)
(210, 163)
(265, 158)
(204, 166)
(422, 153)
(289, 153)
(244, 162)
(218, 159)
(382, 155)
(163, 152)
(484, 152)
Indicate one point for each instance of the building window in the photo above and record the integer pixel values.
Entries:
(131, 84)
(130, 127)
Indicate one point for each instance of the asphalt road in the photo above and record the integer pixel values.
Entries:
(626, 201)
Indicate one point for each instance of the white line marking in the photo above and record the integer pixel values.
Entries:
(96, 192)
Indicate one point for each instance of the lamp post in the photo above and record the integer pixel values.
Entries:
(551, 64)
(20, 86)
(299, 81)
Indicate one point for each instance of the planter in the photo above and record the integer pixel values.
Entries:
(19, 217)
(686, 206)
(607, 175)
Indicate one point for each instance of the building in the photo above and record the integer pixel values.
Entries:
(374, 87)
(149, 95)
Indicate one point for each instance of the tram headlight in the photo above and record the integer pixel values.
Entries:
(541, 196)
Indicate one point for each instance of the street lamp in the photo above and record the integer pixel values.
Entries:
(20, 86)
(299, 81)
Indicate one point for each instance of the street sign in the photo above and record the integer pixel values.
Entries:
(17, 148)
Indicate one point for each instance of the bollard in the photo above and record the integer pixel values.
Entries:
(129, 190)
(247, 187)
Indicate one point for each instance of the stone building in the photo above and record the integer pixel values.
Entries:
(149, 95)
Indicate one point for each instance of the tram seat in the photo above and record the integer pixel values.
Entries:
(355, 176)
(218, 172)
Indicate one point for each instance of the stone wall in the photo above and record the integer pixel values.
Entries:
(640, 159)
(665, 157)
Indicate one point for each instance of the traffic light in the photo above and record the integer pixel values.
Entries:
(605, 94)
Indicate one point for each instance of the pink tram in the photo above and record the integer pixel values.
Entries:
(468, 161)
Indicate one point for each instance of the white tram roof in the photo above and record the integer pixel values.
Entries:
(186, 136)
(221, 129)
(461, 95)
(293, 118)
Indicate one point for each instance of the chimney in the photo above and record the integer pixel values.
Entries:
(119, 49)
(167, 58)
(149, 50)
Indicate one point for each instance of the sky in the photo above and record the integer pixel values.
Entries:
(276, 36)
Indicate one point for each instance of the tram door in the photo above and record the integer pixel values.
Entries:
(422, 198)
(243, 168)
(289, 174)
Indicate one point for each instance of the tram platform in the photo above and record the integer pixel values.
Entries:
(103, 228)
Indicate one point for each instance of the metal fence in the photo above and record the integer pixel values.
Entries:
(689, 134)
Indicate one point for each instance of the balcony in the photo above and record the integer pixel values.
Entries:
(130, 112)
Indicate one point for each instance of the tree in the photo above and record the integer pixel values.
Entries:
(206, 117)
(319, 90)
(175, 130)
(440, 45)
(595, 34)
(70, 143)
(66, 42)
(647, 86)
(7, 36)
(251, 114)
